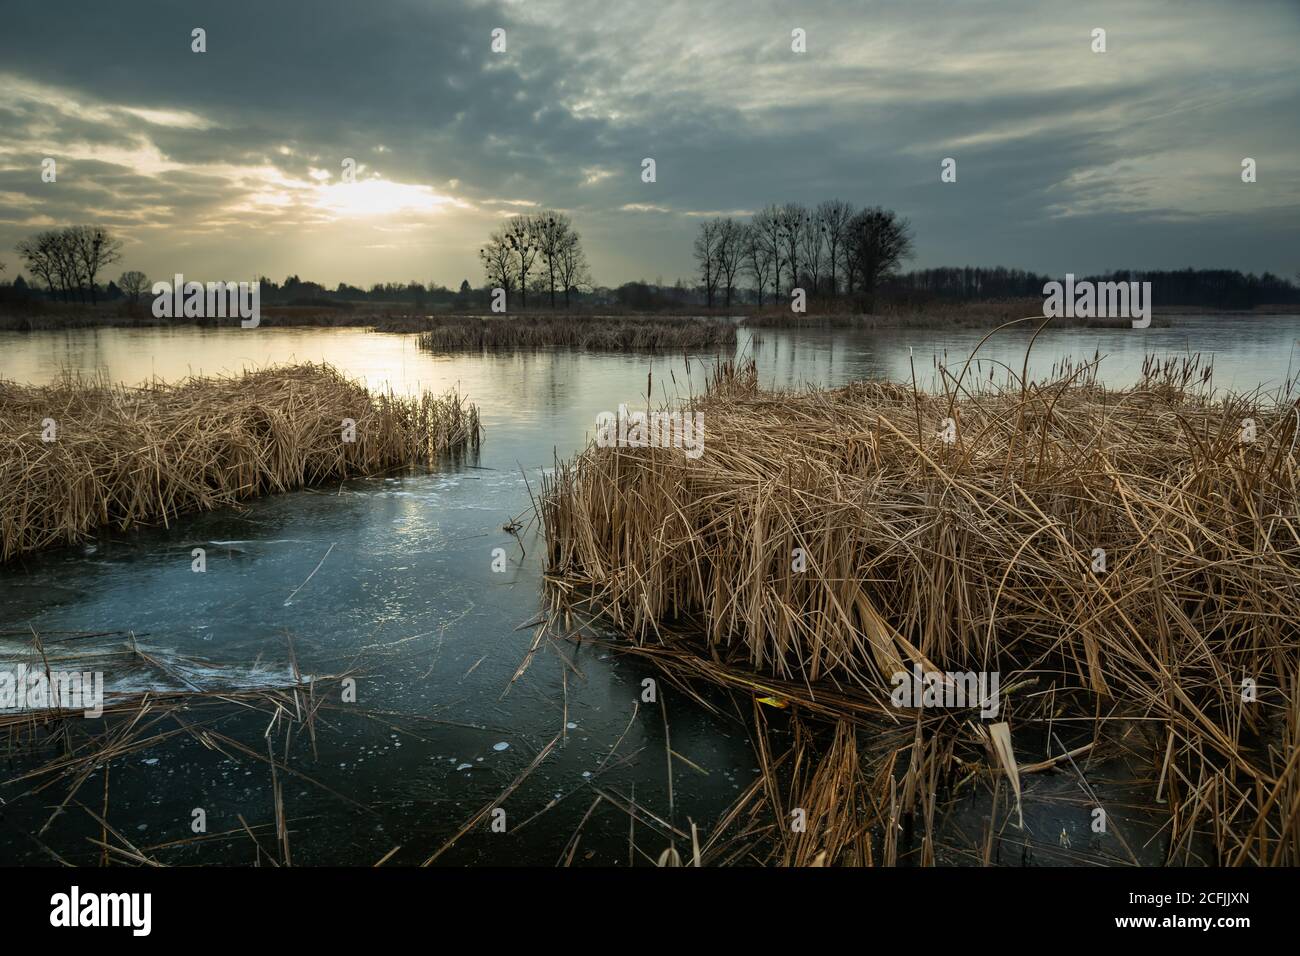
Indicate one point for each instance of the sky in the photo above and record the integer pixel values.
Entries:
(228, 164)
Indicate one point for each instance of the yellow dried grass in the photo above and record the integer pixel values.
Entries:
(126, 456)
(978, 556)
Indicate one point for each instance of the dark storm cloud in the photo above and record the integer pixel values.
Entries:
(1067, 160)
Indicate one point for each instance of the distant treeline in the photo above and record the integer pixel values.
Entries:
(67, 261)
(1216, 288)
(545, 242)
(833, 250)
(826, 251)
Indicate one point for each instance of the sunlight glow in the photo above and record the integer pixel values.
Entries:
(378, 197)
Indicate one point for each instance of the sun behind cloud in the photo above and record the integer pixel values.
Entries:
(378, 197)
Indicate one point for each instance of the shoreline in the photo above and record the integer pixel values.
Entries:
(406, 323)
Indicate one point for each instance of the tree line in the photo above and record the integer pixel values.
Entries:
(69, 260)
(827, 250)
(1221, 288)
(544, 242)
(830, 250)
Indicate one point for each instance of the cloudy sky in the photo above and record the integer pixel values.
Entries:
(228, 163)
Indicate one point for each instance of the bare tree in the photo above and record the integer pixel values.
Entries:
(791, 217)
(834, 215)
(93, 248)
(757, 256)
(133, 283)
(706, 254)
(38, 254)
(522, 238)
(812, 242)
(572, 264)
(850, 262)
(498, 262)
(878, 240)
(731, 253)
(551, 229)
(72, 257)
(67, 264)
(767, 226)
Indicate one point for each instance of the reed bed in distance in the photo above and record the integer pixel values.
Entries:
(596, 333)
(123, 456)
(1181, 649)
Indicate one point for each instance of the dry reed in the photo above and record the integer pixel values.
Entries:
(126, 456)
(975, 555)
(596, 333)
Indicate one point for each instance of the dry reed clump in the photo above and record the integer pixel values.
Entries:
(597, 333)
(124, 456)
(980, 555)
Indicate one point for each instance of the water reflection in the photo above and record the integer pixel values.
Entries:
(1248, 351)
(407, 586)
